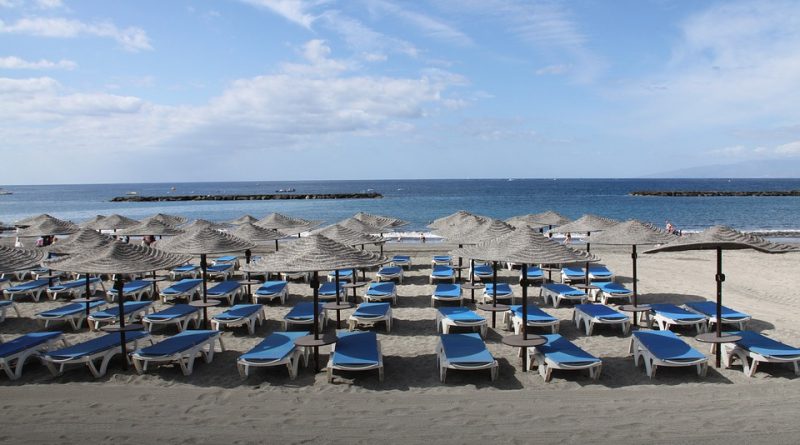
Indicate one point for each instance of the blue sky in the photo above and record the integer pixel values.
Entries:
(180, 90)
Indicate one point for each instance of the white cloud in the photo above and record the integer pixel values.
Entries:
(16, 63)
(791, 149)
(37, 4)
(131, 38)
(295, 11)
(429, 25)
(553, 70)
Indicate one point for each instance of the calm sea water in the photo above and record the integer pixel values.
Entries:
(421, 201)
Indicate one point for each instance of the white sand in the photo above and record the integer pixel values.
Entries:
(411, 406)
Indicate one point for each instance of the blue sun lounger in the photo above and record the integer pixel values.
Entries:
(135, 289)
(759, 348)
(668, 315)
(442, 272)
(327, 291)
(74, 288)
(226, 259)
(248, 315)
(483, 271)
(381, 292)
(186, 288)
(447, 317)
(560, 353)
(600, 272)
(102, 348)
(559, 292)
(441, 260)
(272, 290)
(465, 352)
(537, 318)
(188, 270)
(369, 314)
(131, 310)
(594, 314)
(665, 348)
(572, 274)
(709, 309)
(535, 274)
(182, 348)
(447, 292)
(33, 288)
(226, 290)
(402, 261)
(504, 292)
(180, 315)
(222, 271)
(275, 350)
(73, 313)
(390, 273)
(344, 275)
(356, 351)
(303, 314)
(14, 353)
(5, 305)
(608, 290)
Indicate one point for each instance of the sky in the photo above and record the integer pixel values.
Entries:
(97, 91)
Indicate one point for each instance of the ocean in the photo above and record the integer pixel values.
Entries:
(421, 201)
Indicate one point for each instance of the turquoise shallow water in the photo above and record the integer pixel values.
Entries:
(420, 201)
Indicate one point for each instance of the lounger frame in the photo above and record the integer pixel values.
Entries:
(365, 367)
(13, 364)
(557, 298)
(733, 352)
(89, 360)
(185, 359)
(652, 362)
(546, 365)
(443, 364)
(360, 320)
(251, 321)
(589, 321)
(291, 360)
(444, 323)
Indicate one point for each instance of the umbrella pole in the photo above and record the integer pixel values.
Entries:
(338, 312)
(118, 285)
(460, 262)
(472, 278)
(87, 299)
(588, 244)
(524, 284)
(720, 277)
(276, 245)
(315, 287)
(155, 288)
(204, 270)
(494, 291)
(634, 255)
(586, 278)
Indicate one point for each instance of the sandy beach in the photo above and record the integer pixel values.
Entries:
(214, 405)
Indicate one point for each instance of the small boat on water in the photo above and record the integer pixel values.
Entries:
(132, 193)
(289, 190)
(5, 192)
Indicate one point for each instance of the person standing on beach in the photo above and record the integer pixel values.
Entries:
(568, 239)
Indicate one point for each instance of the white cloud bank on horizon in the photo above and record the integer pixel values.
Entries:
(17, 63)
(131, 38)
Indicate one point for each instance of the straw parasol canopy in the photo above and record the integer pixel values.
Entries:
(632, 233)
(92, 221)
(112, 222)
(170, 220)
(117, 258)
(203, 241)
(585, 224)
(286, 224)
(201, 224)
(524, 246)
(721, 238)
(46, 225)
(459, 218)
(539, 220)
(256, 234)
(243, 220)
(384, 222)
(357, 225)
(475, 231)
(150, 227)
(13, 259)
(31, 220)
(346, 236)
(79, 242)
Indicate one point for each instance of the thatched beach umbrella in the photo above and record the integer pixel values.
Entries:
(111, 222)
(243, 220)
(205, 241)
(13, 259)
(118, 258)
(721, 238)
(459, 218)
(202, 224)
(46, 225)
(586, 224)
(348, 237)
(313, 254)
(539, 220)
(33, 220)
(632, 233)
(387, 223)
(92, 221)
(170, 220)
(152, 227)
(257, 235)
(524, 246)
(287, 224)
(473, 231)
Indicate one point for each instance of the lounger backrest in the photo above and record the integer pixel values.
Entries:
(184, 285)
(30, 285)
(240, 310)
(390, 270)
(674, 312)
(448, 290)
(178, 310)
(372, 309)
(271, 287)
(761, 344)
(303, 310)
(561, 350)
(178, 343)
(127, 308)
(709, 308)
(356, 348)
(72, 308)
(599, 310)
(460, 314)
(666, 345)
(502, 288)
(465, 348)
(442, 270)
(275, 347)
(225, 287)
(95, 345)
(384, 288)
(561, 288)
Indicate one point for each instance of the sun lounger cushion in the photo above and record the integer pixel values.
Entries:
(65, 285)
(329, 289)
(275, 347)
(763, 345)
(225, 259)
(502, 289)
(534, 314)
(183, 286)
(29, 286)
(563, 351)
(466, 348)
(177, 343)
(447, 290)
(356, 348)
(574, 272)
(238, 312)
(371, 310)
(217, 268)
(612, 287)
(380, 289)
(127, 308)
(401, 258)
(95, 345)
(484, 270)
(442, 271)
(27, 341)
(70, 309)
(709, 309)
(173, 312)
(132, 286)
(303, 311)
(460, 314)
(187, 268)
(563, 289)
(666, 345)
(674, 312)
(600, 271)
(271, 288)
(535, 272)
(223, 288)
(442, 258)
(390, 270)
(600, 311)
